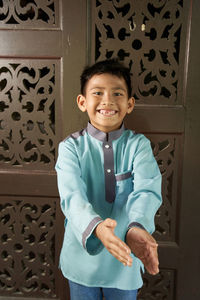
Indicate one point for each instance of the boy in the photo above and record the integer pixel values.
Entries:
(110, 190)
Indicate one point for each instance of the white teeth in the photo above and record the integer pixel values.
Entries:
(107, 112)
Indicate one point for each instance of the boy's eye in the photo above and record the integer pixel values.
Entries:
(97, 93)
(118, 94)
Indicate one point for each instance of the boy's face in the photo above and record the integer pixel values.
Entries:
(106, 101)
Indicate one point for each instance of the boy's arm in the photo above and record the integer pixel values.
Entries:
(74, 202)
(142, 206)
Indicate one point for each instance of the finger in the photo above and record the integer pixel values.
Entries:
(155, 263)
(149, 240)
(153, 270)
(120, 245)
(122, 257)
(124, 251)
(148, 255)
(151, 262)
(110, 223)
(152, 244)
(120, 250)
(124, 261)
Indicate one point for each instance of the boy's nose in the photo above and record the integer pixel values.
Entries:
(107, 100)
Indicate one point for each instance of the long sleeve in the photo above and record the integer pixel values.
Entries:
(73, 196)
(146, 198)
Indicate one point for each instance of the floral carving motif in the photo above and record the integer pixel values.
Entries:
(27, 121)
(167, 153)
(146, 36)
(28, 12)
(27, 233)
(159, 287)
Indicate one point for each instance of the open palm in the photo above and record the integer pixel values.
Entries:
(144, 246)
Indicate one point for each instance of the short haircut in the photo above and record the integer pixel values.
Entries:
(109, 66)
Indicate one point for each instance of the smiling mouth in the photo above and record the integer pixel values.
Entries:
(107, 112)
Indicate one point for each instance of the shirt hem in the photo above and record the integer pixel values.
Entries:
(101, 285)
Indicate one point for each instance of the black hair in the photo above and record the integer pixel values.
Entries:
(110, 66)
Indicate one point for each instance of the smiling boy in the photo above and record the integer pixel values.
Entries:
(106, 101)
(110, 190)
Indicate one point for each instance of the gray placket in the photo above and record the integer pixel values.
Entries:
(107, 147)
(109, 173)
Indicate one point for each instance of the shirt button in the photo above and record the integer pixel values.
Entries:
(108, 170)
(107, 146)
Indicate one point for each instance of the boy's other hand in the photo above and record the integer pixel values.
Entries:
(144, 246)
(105, 233)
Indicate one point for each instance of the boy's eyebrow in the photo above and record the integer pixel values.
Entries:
(103, 88)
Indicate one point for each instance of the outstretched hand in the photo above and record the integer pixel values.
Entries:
(144, 246)
(105, 233)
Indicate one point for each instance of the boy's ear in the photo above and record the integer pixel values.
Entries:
(81, 101)
(131, 104)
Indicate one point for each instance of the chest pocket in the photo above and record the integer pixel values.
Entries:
(124, 185)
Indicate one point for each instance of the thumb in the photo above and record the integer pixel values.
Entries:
(110, 223)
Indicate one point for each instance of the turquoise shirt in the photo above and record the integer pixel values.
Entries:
(103, 175)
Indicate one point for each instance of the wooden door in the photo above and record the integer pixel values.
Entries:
(43, 48)
(30, 129)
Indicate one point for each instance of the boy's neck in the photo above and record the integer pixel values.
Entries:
(105, 136)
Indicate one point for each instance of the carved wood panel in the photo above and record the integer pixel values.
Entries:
(28, 264)
(29, 107)
(159, 287)
(145, 35)
(29, 13)
(167, 150)
(30, 129)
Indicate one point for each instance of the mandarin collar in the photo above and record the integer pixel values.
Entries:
(105, 136)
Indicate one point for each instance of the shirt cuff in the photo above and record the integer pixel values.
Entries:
(135, 224)
(90, 242)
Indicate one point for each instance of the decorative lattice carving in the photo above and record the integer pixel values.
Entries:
(27, 119)
(27, 254)
(159, 287)
(166, 149)
(146, 36)
(35, 13)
